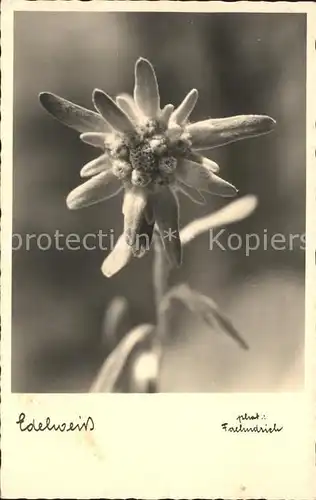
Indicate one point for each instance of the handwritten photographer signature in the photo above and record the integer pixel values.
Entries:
(252, 423)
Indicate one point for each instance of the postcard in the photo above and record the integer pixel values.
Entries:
(158, 249)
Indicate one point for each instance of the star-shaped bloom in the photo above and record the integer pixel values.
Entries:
(151, 153)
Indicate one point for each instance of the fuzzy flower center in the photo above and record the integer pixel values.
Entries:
(149, 156)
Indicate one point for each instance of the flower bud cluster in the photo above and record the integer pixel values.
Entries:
(149, 156)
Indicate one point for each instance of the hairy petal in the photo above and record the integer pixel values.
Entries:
(166, 211)
(203, 160)
(111, 112)
(166, 113)
(96, 166)
(127, 104)
(99, 188)
(72, 115)
(210, 164)
(95, 139)
(216, 132)
(191, 193)
(183, 111)
(134, 205)
(220, 187)
(119, 257)
(202, 178)
(146, 91)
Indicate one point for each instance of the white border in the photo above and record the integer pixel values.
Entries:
(167, 445)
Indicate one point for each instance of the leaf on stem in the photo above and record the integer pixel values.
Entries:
(205, 308)
(114, 366)
(231, 213)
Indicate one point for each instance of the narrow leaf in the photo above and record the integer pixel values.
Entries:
(231, 213)
(113, 367)
(205, 309)
(227, 326)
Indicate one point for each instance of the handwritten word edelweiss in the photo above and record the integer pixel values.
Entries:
(151, 153)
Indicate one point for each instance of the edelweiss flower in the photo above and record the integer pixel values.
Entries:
(151, 153)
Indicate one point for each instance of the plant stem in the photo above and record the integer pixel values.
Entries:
(160, 273)
(160, 283)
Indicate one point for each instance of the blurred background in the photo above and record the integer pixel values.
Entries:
(241, 64)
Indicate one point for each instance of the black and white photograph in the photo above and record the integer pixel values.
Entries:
(181, 142)
(156, 205)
